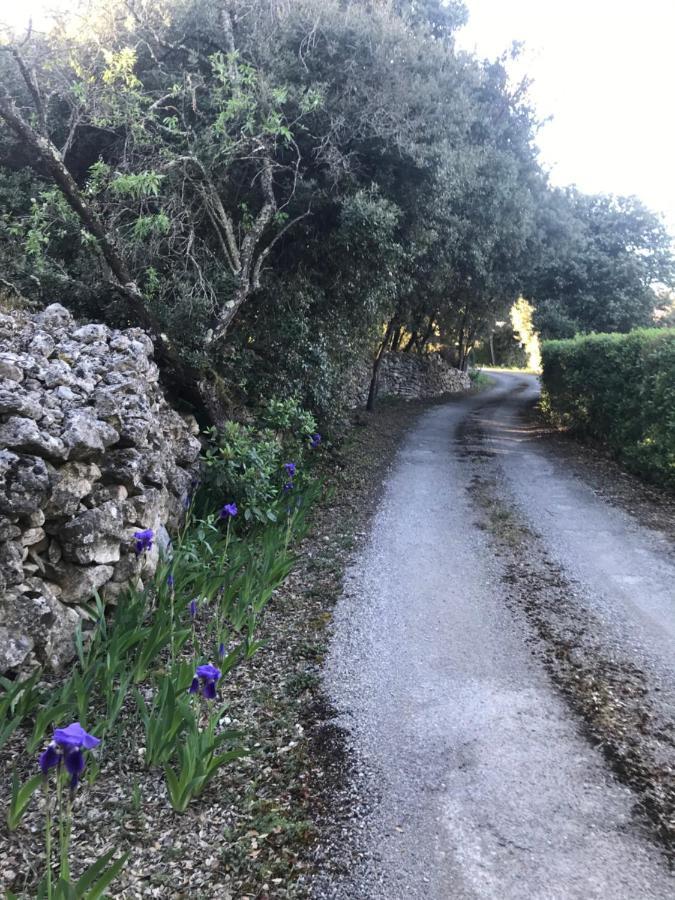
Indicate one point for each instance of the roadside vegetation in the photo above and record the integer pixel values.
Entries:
(146, 692)
(253, 827)
(619, 392)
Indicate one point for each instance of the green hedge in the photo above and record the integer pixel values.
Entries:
(619, 390)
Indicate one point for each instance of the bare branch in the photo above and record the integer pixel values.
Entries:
(30, 80)
(257, 270)
(72, 129)
(217, 212)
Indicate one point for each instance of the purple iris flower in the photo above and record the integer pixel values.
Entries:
(192, 607)
(75, 736)
(170, 580)
(229, 511)
(67, 746)
(144, 540)
(290, 468)
(288, 486)
(49, 758)
(314, 441)
(205, 678)
(221, 650)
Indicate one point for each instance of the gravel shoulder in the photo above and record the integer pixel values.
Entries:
(476, 776)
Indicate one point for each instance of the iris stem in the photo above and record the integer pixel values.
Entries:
(288, 531)
(173, 637)
(65, 865)
(196, 706)
(65, 815)
(219, 598)
(48, 839)
(59, 806)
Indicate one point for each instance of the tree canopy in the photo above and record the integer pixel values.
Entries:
(270, 187)
(599, 263)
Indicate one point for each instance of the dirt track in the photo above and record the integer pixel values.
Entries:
(502, 656)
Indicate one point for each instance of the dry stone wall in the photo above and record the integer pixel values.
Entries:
(416, 377)
(90, 453)
(409, 376)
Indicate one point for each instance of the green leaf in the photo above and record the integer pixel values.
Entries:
(172, 785)
(107, 876)
(8, 730)
(64, 890)
(21, 797)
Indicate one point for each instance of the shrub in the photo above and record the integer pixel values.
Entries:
(293, 425)
(245, 464)
(619, 390)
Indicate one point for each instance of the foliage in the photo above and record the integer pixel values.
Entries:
(292, 425)
(618, 390)
(598, 262)
(198, 760)
(513, 343)
(164, 720)
(17, 701)
(521, 316)
(245, 463)
(21, 797)
(149, 648)
(479, 379)
(269, 185)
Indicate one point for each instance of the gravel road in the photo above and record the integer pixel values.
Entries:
(477, 778)
(627, 571)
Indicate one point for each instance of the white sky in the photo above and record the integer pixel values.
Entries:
(605, 71)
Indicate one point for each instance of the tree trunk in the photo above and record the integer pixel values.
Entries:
(461, 362)
(465, 347)
(492, 349)
(372, 392)
(426, 337)
(50, 158)
(249, 272)
(411, 342)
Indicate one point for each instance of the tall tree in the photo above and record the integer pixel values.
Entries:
(598, 263)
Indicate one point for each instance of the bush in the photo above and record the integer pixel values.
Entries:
(619, 390)
(248, 465)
